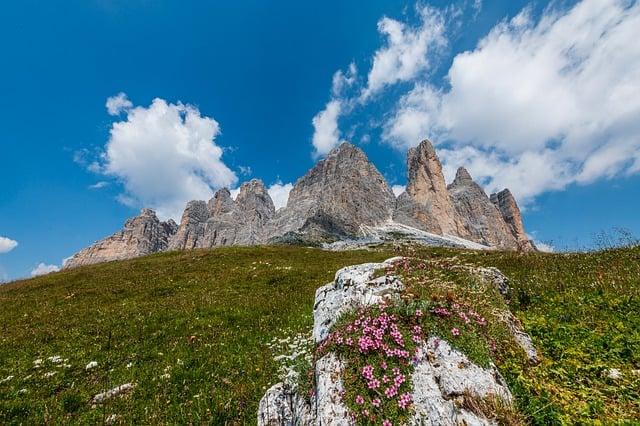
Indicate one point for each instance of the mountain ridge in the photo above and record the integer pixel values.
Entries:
(338, 197)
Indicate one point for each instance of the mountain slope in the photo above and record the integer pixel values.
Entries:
(193, 326)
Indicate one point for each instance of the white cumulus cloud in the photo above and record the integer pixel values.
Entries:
(326, 134)
(165, 155)
(538, 104)
(43, 269)
(279, 193)
(7, 244)
(398, 189)
(118, 104)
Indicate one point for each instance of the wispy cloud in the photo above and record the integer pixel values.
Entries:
(99, 185)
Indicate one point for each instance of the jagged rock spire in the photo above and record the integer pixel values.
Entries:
(506, 204)
(426, 204)
(482, 220)
(462, 177)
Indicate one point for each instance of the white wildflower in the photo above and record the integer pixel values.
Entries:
(118, 390)
(92, 364)
(614, 374)
(55, 359)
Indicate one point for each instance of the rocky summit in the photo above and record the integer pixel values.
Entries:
(224, 221)
(333, 200)
(342, 198)
(143, 234)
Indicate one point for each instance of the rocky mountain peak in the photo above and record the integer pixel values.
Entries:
(426, 204)
(480, 217)
(506, 204)
(221, 202)
(253, 195)
(463, 177)
(141, 235)
(339, 194)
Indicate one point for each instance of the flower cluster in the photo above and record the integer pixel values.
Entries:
(467, 315)
(378, 346)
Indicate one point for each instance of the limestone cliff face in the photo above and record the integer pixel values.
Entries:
(341, 193)
(223, 221)
(507, 206)
(257, 207)
(426, 203)
(482, 220)
(141, 235)
(191, 228)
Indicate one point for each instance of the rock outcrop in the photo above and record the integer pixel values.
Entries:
(341, 193)
(507, 206)
(142, 235)
(480, 217)
(441, 373)
(426, 203)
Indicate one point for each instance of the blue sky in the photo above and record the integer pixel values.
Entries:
(542, 98)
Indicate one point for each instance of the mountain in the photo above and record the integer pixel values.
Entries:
(481, 219)
(342, 198)
(141, 235)
(426, 204)
(224, 221)
(341, 193)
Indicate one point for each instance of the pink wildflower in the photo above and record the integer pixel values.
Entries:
(367, 372)
(386, 423)
(455, 331)
(391, 391)
(376, 402)
(405, 400)
(373, 384)
(359, 400)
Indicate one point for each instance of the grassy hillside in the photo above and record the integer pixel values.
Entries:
(190, 330)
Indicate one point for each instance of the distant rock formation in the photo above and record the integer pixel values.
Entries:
(223, 221)
(341, 193)
(342, 197)
(482, 220)
(506, 204)
(426, 203)
(143, 234)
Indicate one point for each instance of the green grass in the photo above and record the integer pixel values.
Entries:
(194, 327)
